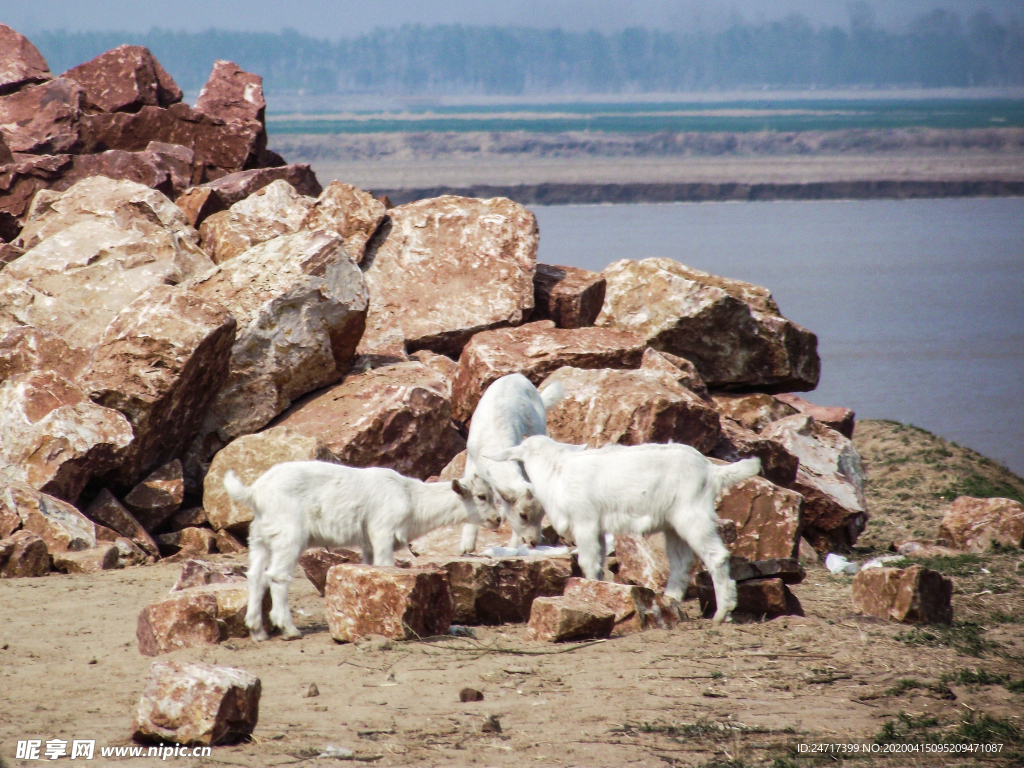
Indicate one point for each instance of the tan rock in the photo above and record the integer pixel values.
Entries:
(629, 407)
(300, 303)
(397, 603)
(228, 544)
(777, 464)
(161, 362)
(187, 703)
(914, 594)
(199, 203)
(25, 349)
(200, 573)
(158, 496)
(23, 553)
(129, 553)
(8, 252)
(571, 297)
(192, 517)
(642, 561)
(318, 561)
(830, 478)
(502, 591)
(920, 549)
(250, 457)
(974, 525)
(753, 411)
(102, 557)
(840, 419)
(732, 331)
(396, 416)
(21, 64)
(62, 527)
(537, 350)
(769, 519)
(636, 608)
(760, 597)
(188, 542)
(443, 269)
(441, 364)
(455, 468)
(124, 80)
(554, 619)
(43, 119)
(106, 509)
(349, 212)
(681, 369)
(276, 209)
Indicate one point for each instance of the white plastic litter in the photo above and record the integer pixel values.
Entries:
(340, 753)
(524, 551)
(838, 564)
(881, 562)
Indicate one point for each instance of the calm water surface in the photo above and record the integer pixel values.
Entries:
(918, 305)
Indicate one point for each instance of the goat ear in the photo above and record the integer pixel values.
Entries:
(460, 488)
(528, 493)
(508, 498)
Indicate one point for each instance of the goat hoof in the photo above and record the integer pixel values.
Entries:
(291, 634)
(259, 637)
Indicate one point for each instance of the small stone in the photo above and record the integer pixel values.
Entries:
(195, 617)
(191, 541)
(470, 694)
(103, 557)
(555, 619)
(311, 692)
(491, 725)
(23, 553)
(199, 573)
(914, 594)
(228, 544)
(106, 509)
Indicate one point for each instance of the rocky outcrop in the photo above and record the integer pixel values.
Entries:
(679, 368)
(537, 350)
(22, 554)
(914, 594)
(61, 527)
(232, 94)
(974, 525)
(21, 64)
(397, 603)
(125, 79)
(629, 407)
(444, 269)
(636, 608)
(350, 213)
(571, 297)
(239, 185)
(769, 519)
(556, 619)
(188, 703)
(396, 416)
(732, 331)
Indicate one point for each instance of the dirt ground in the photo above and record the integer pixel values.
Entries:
(744, 694)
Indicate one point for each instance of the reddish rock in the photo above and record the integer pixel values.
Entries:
(840, 419)
(760, 597)
(62, 527)
(106, 509)
(187, 703)
(753, 411)
(129, 553)
(53, 437)
(914, 594)
(732, 331)
(629, 407)
(443, 269)
(349, 212)
(455, 468)
(102, 557)
(397, 416)
(44, 119)
(974, 525)
(554, 619)
(26, 349)
(769, 519)
(8, 252)
(192, 517)
(250, 457)
(642, 561)
(537, 350)
(194, 617)
(681, 369)
(23, 554)
(918, 549)
(636, 608)
(20, 181)
(318, 561)
(228, 543)
(200, 573)
(441, 364)
(470, 694)
(21, 64)
(272, 211)
(161, 362)
(777, 463)
(571, 297)
(199, 203)
(125, 79)
(502, 591)
(300, 303)
(397, 603)
(231, 93)
(188, 542)
(788, 569)
(151, 169)
(238, 186)
(158, 496)
(830, 478)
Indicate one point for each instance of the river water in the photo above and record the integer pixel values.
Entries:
(918, 305)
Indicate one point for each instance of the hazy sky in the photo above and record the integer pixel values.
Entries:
(346, 18)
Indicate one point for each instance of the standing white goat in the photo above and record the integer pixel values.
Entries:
(298, 504)
(511, 409)
(637, 490)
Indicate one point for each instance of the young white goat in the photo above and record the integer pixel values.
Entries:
(636, 490)
(313, 503)
(511, 409)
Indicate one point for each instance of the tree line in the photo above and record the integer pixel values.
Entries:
(938, 49)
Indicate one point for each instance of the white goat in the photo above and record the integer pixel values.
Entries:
(637, 490)
(313, 503)
(511, 409)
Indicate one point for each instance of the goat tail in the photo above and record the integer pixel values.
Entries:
(727, 475)
(236, 489)
(552, 395)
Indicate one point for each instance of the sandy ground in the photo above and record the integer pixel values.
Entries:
(746, 694)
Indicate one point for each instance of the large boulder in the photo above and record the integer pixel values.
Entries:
(20, 181)
(108, 511)
(753, 411)
(974, 525)
(22, 554)
(21, 64)
(732, 331)
(194, 617)
(636, 608)
(167, 168)
(841, 419)
(44, 119)
(277, 209)
(61, 527)
(830, 478)
(161, 362)
(300, 303)
(250, 457)
(349, 212)
(735, 443)
(557, 619)
(125, 79)
(443, 269)
(769, 519)
(629, 407)
(397, 416)
(914, 594)
(502, 591)
(96, 247)
(537, 350)
(571, 297)
(25, 349)
(158, 496)
(239, 185)
(53, 437)
(642, 561)
(232, 94)
(679, 368)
